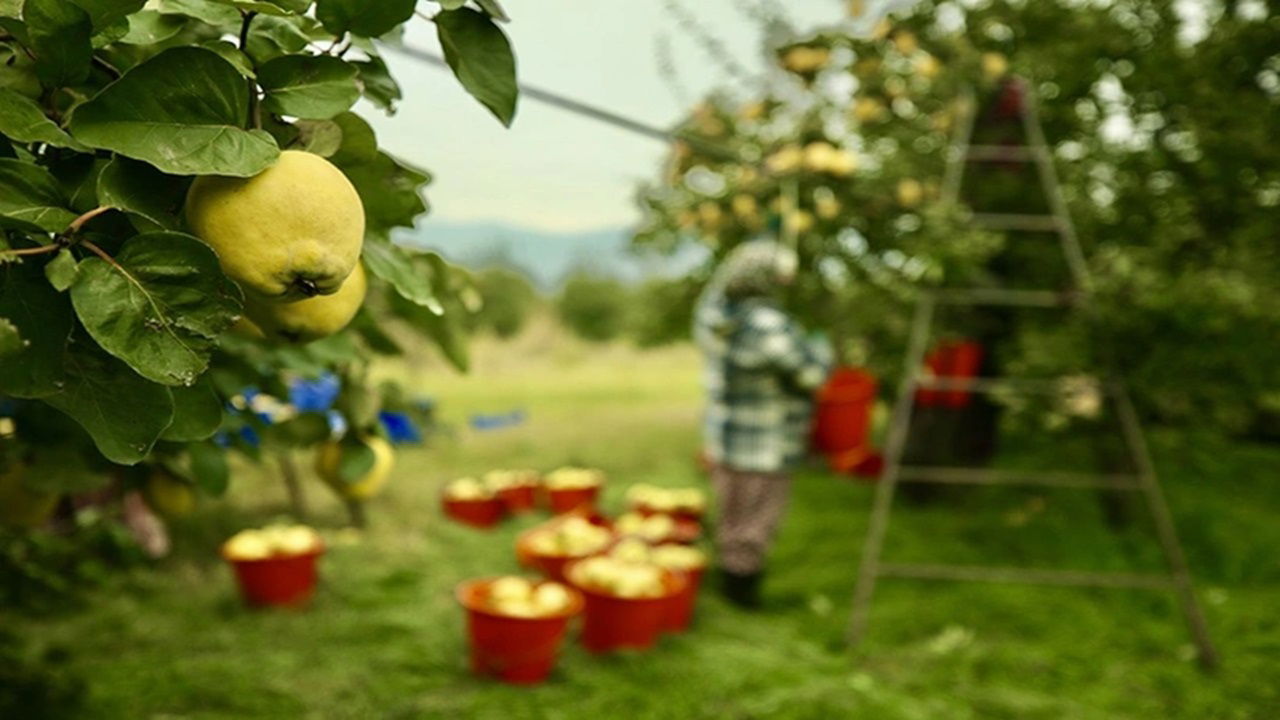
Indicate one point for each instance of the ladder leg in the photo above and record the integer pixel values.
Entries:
(1165, 530)
(869, 568)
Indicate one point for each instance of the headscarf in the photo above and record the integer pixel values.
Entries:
(754, 269)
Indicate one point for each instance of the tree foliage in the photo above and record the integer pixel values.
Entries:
(1161, 129)
(115, 321)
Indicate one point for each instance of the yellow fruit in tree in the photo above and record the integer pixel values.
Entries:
(292, 231)
(310, 319)
(168, 495)
(20, 506)
(994, 65)
(329, 457)
(910, 192)
(905, 41)
(867, 109)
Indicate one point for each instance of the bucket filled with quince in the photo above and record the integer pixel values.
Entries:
(690, 563)
(570, 488)
(515, 626)
(472, 502)
(553, 545)
(275, 565)
(683, 504)
(626, 601)
(517, 490)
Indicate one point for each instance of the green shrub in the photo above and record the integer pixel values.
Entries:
(594, 306)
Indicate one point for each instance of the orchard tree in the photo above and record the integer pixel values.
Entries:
(1160, 126)
(190, 208)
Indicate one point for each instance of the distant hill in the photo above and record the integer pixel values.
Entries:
(547, 257)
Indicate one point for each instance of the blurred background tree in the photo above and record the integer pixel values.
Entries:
(1161, 123)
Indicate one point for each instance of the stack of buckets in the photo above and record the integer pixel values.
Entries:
(522, 650)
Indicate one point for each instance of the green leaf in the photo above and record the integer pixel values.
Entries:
(62, 468)
(480, 55)
(446, 330)
(271, 37)
(43, 319)
(77, 175)
(231, 54)
(303, 430)
(377, 84)
(151, 198)
(411, 274)
(319, 137)
(358, 141)
(389, 191)
(218, 14)
(62, 270)
(314, 87)
(106, 12)
(197, 413)
(271, 7)
(356, 460)
(11, 342)
(360, 17)
(181, 111)
(493, 9)
(121, 411)
(22, 120)
(209, 467)
(150, 27)
(18, 72)
(11, 9)
(160, 308)
(59, 34)
(31, 199)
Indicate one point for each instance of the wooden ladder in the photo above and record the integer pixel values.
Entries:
(1142, 481)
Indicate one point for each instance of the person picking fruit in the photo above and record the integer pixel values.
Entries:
(761, 375)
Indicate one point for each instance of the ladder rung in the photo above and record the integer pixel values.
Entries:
(1012, 221)
(991, 384)
(1030, 576)
(1001, 296)
(1003, 153)
(987, 476)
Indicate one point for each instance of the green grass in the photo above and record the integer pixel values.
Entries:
(384, 638)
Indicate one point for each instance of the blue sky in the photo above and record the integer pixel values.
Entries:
(553, 171)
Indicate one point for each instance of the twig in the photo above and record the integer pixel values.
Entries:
(255, 116)
(32, 251)
(106, 67)
(103, 254)
(75, 225)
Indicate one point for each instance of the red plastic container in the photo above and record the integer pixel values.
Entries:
(679, 612)
(563, 501)
(476, 513)
(956, 360)
(520, 651)
(612, 623)
(843, 413)
(553, 566)
(282, 581)
(519, 498)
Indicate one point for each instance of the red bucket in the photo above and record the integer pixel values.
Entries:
(843, 414)
(613, 623)
(679, 612)
(553, 566)
(563, 501)
(476, 513)
(520, 651)
(519, 498)
(283, 581)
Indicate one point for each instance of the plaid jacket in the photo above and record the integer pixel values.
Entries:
(761, 375)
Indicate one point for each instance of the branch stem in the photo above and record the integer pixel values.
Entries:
(51, 247)
(255, 115)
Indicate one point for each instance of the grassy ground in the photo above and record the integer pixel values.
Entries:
(384, 636)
